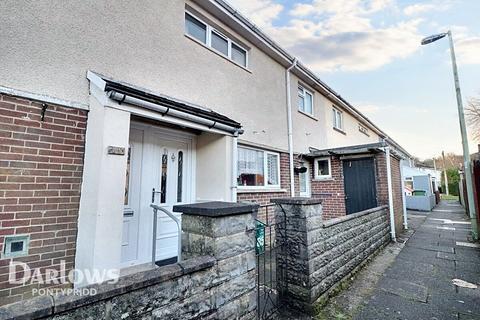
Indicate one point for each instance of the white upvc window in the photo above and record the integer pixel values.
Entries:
(305, 100)
(337, 119)
(304, 182)
(258, 168)
(214, 39)
(323, 168)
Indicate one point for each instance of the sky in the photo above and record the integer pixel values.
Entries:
(369, 52)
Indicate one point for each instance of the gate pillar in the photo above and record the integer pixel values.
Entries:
(302, 223)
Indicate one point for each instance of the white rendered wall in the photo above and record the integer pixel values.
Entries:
(214, 167)
(103, 187)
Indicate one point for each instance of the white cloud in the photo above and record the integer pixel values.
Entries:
(468, 50)
(260, 12)
(420, 8)
(338, 35)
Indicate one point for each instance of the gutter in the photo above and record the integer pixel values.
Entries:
(209, 124)
(290, 127)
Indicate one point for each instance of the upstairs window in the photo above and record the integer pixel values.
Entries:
(239, 55)
(305, 100)
(195, 28)
(214, 39)
(219, 43)
(258, 168)
(337, 119)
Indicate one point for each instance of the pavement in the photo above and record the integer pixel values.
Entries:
(431, 276)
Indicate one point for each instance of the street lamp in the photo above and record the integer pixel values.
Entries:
(463, 131)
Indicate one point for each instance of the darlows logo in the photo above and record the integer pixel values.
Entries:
(21, 274)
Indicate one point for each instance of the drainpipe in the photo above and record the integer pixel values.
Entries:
(390, 194)
(234, 166)
(404, 201)
(290, 129)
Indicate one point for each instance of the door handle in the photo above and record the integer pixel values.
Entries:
(153, 194)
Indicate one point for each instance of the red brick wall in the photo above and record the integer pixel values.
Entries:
(382, 187)
(331, 191)
(41, 167)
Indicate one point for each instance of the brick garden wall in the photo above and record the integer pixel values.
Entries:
(41, 165)
(382, 187)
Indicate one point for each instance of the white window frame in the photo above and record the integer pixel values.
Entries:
(208, 40)
(303, 94)
(308, 189)
(315, 165)
(265, 170)
(340, 113)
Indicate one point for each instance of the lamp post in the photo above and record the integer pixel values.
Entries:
(463, 131)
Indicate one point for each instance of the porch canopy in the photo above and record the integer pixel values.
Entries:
(170, 109)
(347, 151)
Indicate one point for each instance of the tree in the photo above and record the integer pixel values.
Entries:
(453, 181)
(472, 113)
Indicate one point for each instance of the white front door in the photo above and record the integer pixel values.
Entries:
(165, 178)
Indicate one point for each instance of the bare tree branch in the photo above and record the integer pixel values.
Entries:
(472, 113)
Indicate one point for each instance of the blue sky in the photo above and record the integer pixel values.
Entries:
(369, 52)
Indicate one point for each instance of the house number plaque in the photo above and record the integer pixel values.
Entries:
(119, 151)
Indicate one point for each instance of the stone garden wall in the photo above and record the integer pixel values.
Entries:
(216, 281)
(320, 254)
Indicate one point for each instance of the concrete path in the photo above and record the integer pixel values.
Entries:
(420, 282)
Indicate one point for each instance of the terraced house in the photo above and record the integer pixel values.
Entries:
(107, 107)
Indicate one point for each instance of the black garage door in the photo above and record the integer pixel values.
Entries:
(359, 180)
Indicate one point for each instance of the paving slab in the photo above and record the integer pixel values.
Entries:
(405, 289)
(418, 284)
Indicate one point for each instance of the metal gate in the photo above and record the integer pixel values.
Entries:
(270, 243)
(360, 184)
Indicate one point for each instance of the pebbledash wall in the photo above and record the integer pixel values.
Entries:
(41, 163)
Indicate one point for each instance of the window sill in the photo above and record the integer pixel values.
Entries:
(323, 179)
(311, 116)
(260, 190)
(218, 53)
(340, 130)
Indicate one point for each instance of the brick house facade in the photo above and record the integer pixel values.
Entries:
(41, 165)
(331, 191)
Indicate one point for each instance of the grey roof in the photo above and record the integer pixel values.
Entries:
(357, 149)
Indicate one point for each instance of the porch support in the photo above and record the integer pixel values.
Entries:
(103, 187)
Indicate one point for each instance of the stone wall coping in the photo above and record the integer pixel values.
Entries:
(216, 208)
(355, 215)
(43, 306)
(297, 200)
